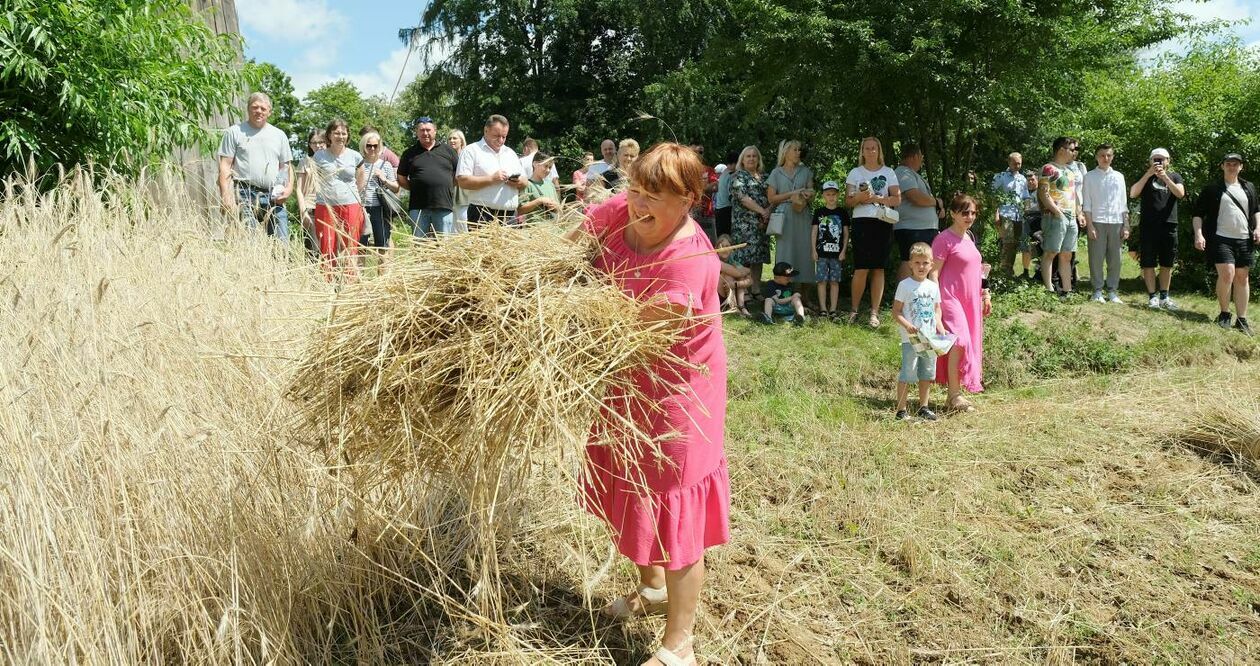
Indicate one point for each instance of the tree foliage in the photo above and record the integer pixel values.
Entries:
(967, 79)
(342, 99)
(115, 81)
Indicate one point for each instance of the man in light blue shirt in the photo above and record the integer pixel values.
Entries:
(1011, 189)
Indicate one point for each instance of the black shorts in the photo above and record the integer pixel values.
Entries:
(722, 219)
(1158, 246)
(907, 237)
(1236, 251)
(872, 239)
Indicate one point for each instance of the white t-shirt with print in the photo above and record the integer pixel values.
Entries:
(919, 301)
(1230, 220)
(880, 180)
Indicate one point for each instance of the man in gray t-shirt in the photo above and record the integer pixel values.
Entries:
(254, 177)
(919, 213)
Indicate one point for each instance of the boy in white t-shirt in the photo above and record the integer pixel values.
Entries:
(917, 308)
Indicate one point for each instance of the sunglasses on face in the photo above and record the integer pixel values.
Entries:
(372, 145)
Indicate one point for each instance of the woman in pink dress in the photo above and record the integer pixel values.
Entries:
(964, 303)
(665, 508)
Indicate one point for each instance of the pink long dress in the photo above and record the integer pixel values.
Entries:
(962, 306)
(666, 510)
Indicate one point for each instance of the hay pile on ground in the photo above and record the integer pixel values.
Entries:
(1230, 431)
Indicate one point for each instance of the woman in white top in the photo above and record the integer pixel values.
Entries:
(338, 212)
(870, 185)
(458, 141)
(379, 173)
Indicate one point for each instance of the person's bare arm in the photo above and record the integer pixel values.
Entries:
(226, 195)
(854, 198)
(470, 182)
(917, 197)
(288, 181)
(403, 183)
(893, 198)
(898, 309)
(1043, 195)
(360, 178)
(1178, 189)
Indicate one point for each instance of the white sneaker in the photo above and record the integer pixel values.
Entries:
(1097, 297)
(1115, 298)
(1154, 302)
(1168, 304)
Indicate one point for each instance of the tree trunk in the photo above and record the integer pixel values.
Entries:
(200, 168)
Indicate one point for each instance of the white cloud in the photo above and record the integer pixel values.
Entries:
(314, 70)
(288, 20)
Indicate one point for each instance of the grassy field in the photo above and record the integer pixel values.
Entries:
(1099, 507)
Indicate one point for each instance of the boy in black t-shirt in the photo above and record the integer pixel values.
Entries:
(1159, 190)
(830, 234)
(783, 299)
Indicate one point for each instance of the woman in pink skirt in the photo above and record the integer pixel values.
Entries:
(672, 502)
(964, 302)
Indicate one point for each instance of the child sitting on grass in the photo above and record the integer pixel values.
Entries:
(734, 281)
(917, 307)
(783, 300)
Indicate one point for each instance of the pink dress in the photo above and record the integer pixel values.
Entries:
(666, 510)
(962, 306)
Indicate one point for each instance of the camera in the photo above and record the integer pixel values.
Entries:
(514, 177)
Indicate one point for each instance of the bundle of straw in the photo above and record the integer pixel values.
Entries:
(471, 350)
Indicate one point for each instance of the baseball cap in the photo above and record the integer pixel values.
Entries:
(1160, 152)
(1232, 157)
(830, 185)
(421, 119)
(785, 269)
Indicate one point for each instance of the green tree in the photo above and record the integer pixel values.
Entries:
(339, 99)
(268, 78)
(115, 81)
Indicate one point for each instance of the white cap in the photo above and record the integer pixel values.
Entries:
(721, 168)
(830, 185)
(1160, 152)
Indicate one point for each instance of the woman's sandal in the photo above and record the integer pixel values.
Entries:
(874, 320)
(853, 317)
(670, 658)
(960, 404)
(652, 601)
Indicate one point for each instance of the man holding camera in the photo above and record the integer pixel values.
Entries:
(1159, 189)
(490, 173)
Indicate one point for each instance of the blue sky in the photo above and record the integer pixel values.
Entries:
(318, 41)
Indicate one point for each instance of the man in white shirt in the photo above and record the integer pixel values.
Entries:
(1105, 203)
(254, 177)
(529, 147)
(609, 150)
(490, 173)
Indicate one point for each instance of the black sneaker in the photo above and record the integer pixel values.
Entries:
(926, 414)
(1241, 325)
(1222, 320)
(798, 321)
(903, 415)
(766, 319)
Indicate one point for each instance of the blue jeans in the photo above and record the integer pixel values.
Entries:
(432, 221)
(257, 207)
(920, 366)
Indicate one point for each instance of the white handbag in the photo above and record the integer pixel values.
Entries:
(775, 227)
(887, 214)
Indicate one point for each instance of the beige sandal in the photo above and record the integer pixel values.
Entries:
(652, 601)
(670, 658)
(960, 404)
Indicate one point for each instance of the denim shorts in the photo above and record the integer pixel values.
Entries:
(783, 309)
(828, 269)
(1058, 234)
(916, 366)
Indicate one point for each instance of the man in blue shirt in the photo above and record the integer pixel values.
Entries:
(1011, 189)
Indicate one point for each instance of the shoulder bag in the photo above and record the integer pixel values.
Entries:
(887, 213)
(389, 201)
(775, 227)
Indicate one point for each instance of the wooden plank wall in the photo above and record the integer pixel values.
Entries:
(200, 168)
